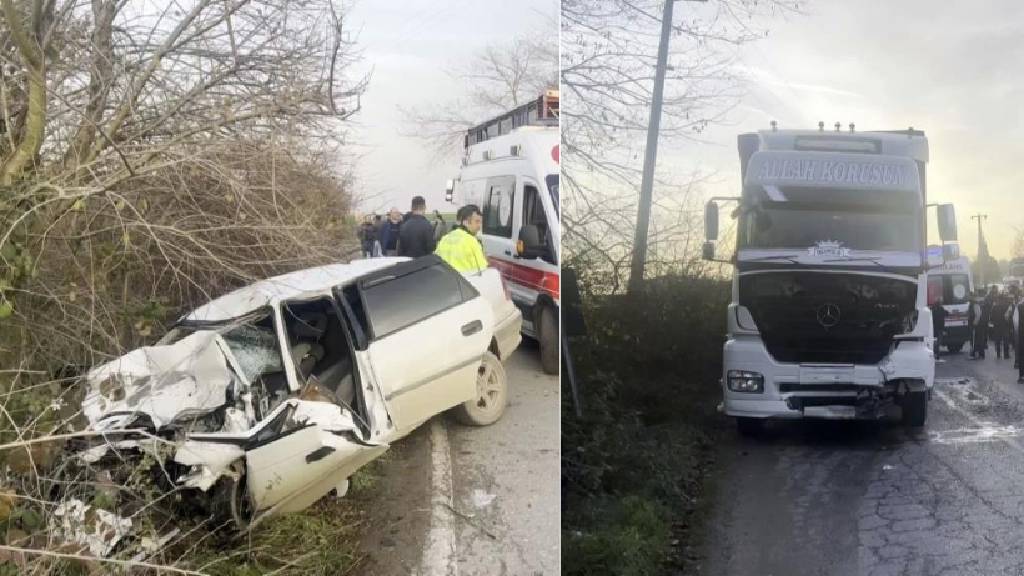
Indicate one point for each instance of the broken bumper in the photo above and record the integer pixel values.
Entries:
(821, 391)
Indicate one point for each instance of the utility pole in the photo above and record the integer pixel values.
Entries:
(981, 242)
(643, 216)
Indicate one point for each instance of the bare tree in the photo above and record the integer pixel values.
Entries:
(152, 155)
(497, 79)
(609, 50)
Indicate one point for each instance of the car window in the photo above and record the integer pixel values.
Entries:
(497, 209)
(405, 300)
(533, 213)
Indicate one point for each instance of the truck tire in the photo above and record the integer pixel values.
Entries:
(915, 409)
(955, 348)
(547, 336)
(491, 394)
(749, 427)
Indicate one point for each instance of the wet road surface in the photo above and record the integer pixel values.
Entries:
(877, 498)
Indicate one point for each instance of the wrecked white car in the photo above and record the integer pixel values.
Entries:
(267, 398)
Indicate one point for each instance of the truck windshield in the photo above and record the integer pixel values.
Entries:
(857, 220)
(552, 181)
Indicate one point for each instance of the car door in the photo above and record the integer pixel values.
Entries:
(429, 328)
(302, 454)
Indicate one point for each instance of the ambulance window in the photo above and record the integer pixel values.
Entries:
(533, 213)
(498, 206)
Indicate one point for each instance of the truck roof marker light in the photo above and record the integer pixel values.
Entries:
(775, 126)
(821, 126)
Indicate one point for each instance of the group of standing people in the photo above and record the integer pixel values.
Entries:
(410, 235)
(996, 316)
(413, 235)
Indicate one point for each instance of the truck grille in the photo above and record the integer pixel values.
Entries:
(828, 317)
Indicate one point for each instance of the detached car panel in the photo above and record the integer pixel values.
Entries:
(274, 394)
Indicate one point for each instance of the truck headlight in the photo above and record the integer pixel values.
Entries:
(744, 381)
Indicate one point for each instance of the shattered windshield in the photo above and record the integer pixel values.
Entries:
(251, 339)
(255, 348)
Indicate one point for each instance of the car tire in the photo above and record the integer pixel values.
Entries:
(491, 394)
(230, 501)
(749, 427)
(548, 339)
(955, 348)
(915, 409)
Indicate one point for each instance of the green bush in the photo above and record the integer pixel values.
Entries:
(633, 466)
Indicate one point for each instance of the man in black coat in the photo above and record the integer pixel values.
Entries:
(416, 238)
(938, 324)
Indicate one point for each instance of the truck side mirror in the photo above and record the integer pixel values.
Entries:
(708, 250)
(529, 245)
(449, 189)
(950, 252)
(947, 223)
(711, 221)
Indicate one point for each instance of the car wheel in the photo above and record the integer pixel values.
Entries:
(491, 394)
(915, 409)
(230, 501)
(749, 427)
(548, 338)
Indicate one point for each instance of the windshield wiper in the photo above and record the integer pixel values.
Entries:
(789, 257)
(873, 259)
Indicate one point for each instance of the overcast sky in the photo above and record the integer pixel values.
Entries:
(411, 45)
(952, 69)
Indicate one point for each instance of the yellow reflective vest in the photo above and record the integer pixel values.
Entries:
(462, 251)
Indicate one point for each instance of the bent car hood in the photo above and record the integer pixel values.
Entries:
(185, 379)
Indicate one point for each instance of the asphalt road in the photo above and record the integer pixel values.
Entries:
(876, 498)
(505, 479)
(472, 501)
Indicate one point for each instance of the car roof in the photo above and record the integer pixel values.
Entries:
(306, 282)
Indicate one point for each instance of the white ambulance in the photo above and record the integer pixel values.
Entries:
(952, 282)
(510, 171)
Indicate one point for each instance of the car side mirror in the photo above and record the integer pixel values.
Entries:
(529, 245)
(950, 252)
(707, 251)
(711, 221)
(449, 190)
(947, 223)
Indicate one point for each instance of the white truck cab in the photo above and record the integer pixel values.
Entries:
(510, 171)
(829, 314)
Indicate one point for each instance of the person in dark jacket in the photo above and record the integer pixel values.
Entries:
(1018, 325)
(972, 319)
(1000, 325)
(938, 324)
(981, 331)
(389, 233)
(367, 236)
(417, 235)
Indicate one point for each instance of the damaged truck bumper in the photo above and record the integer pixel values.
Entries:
(828, 391)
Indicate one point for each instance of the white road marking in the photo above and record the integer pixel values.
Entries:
(439, 554)
(981, 424)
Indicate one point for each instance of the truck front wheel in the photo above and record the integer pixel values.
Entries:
(915, 408)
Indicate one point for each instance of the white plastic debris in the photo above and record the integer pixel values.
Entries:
(481, 498)
(100, 532)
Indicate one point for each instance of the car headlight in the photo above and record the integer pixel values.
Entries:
(744, 381)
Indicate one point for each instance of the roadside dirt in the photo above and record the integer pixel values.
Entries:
(398, 509)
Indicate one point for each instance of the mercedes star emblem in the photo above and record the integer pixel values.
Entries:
(828, 315)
